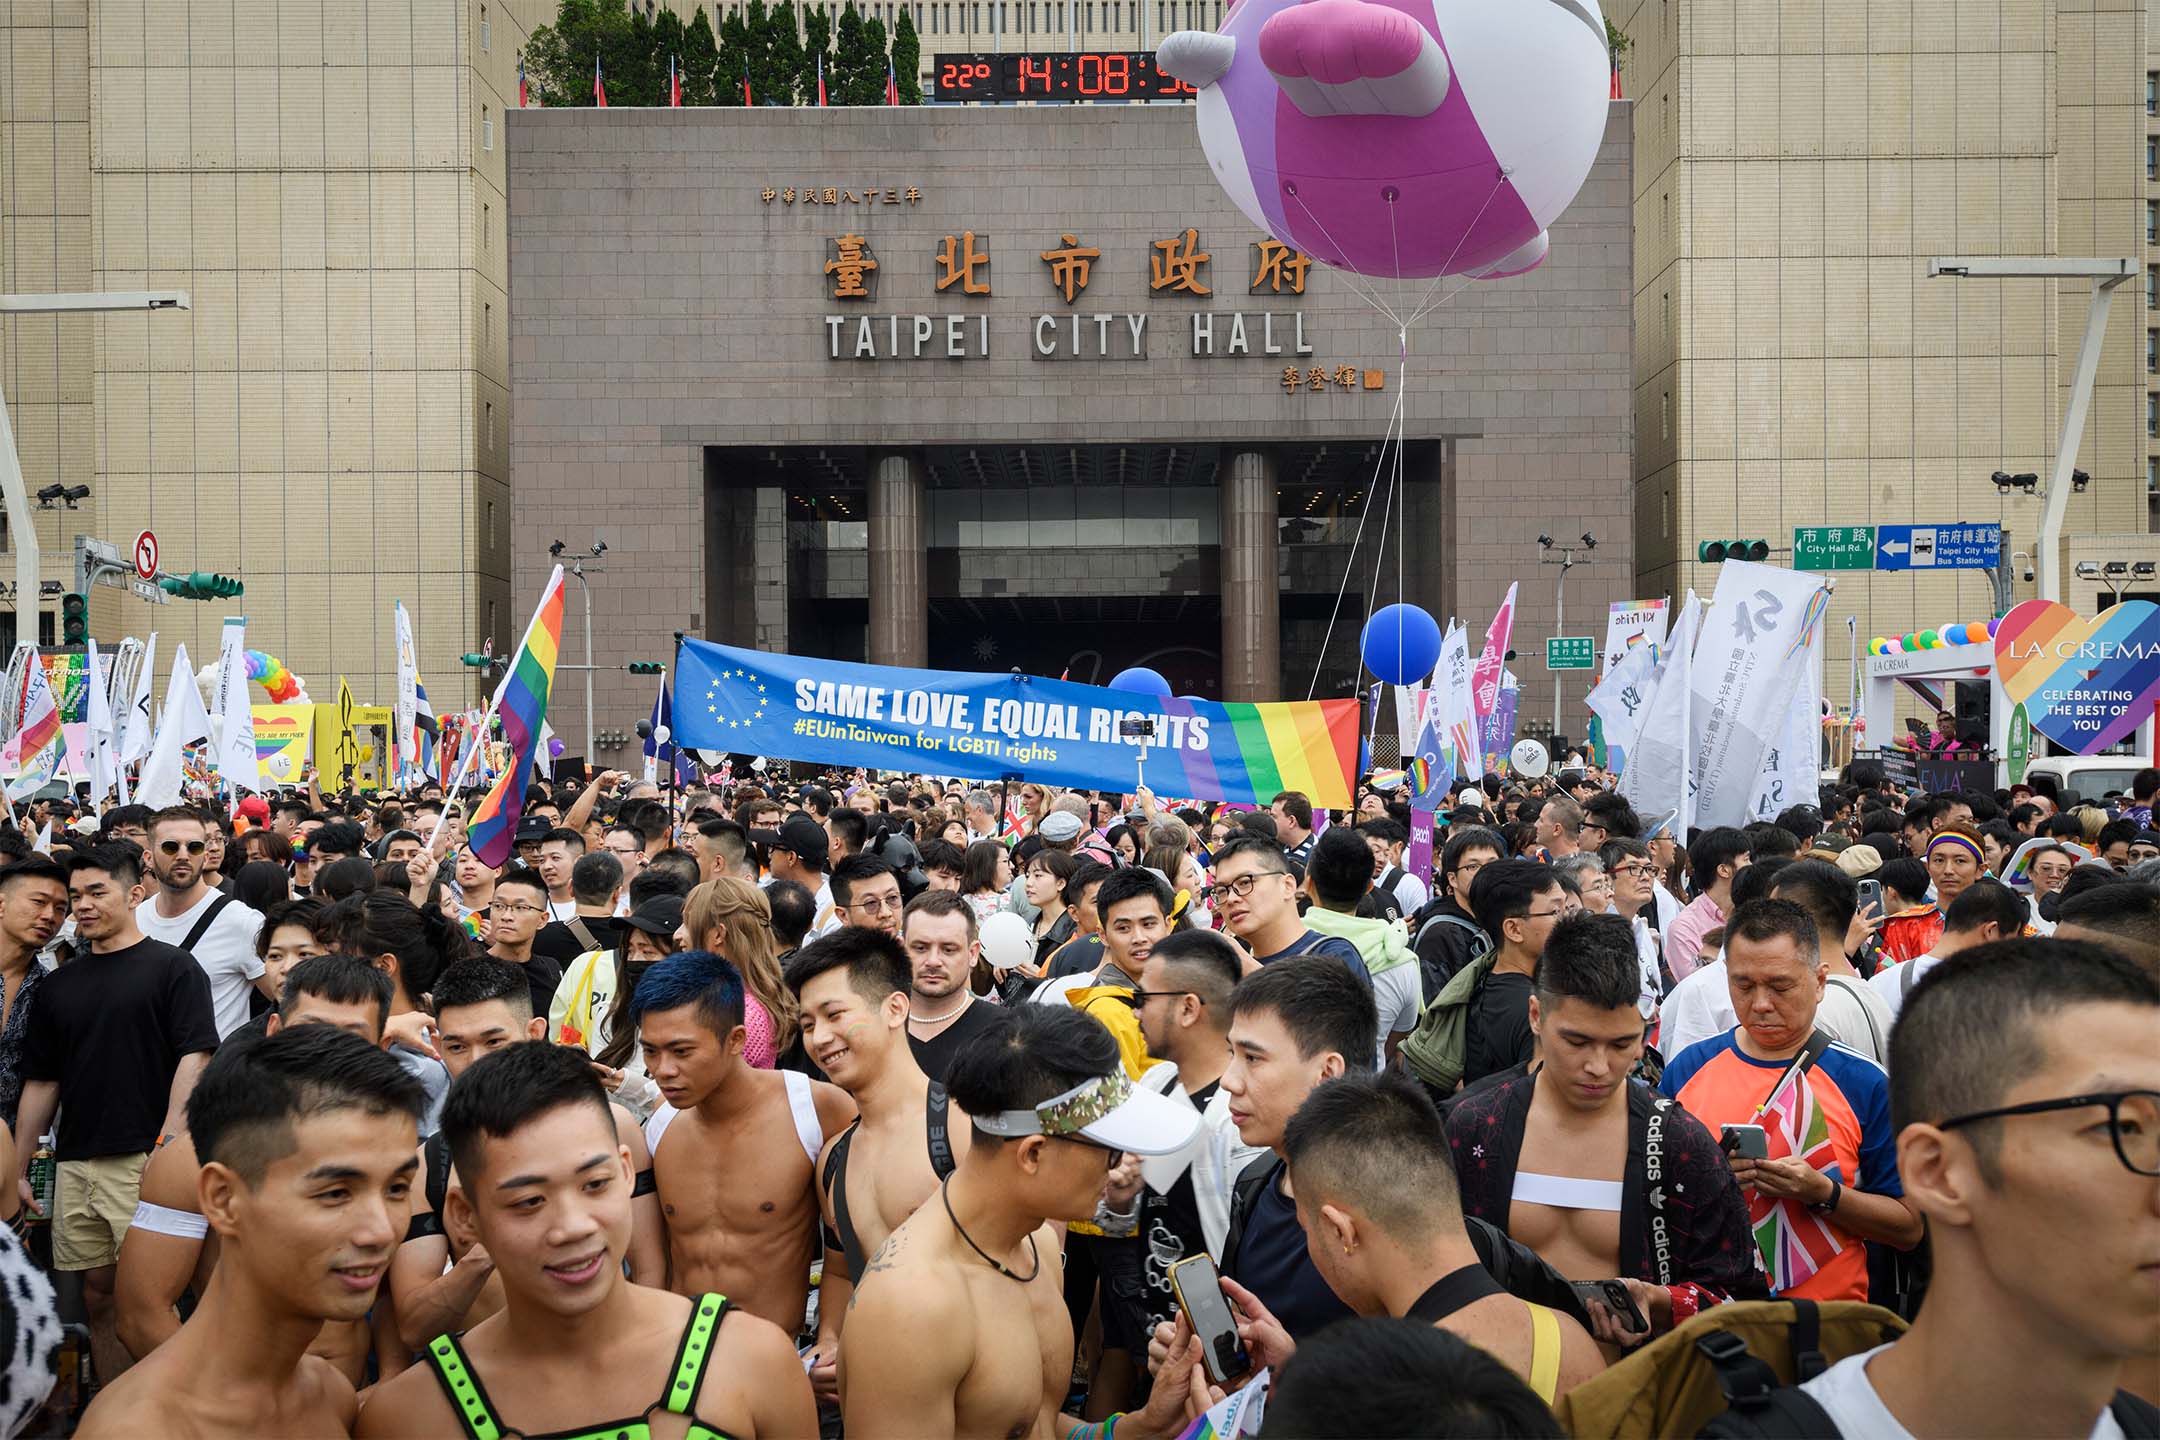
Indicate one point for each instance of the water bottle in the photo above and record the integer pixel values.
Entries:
(43, 1171)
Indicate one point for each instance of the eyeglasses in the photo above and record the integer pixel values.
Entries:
(1642, 870)
(1542, 914)
(1242, 886)
(174, 847)
(2133, 1123)
(876, 904)
(499, 908)
(1137, 998)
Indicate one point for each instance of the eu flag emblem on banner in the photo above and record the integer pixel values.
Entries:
(735, 698)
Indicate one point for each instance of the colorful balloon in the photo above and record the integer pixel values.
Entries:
(1139, 680)
(269, 672)
(1401, 137)
(1401, 644)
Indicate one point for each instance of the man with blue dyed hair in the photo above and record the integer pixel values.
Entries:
(734, 1148)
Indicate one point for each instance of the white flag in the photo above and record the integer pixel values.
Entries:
(1655, 781)
(1747, 666)
(1621, 702)
(42, 743)
(182, 722)
(135, 726)
(1452, 692)
(408, 694)
(1792, 771)
(104, 747)
(233, 719)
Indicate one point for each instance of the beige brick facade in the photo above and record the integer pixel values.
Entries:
(329, 422)
(1796, 166)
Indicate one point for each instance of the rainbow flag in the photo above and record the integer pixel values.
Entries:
(40, 739)
(522, 703)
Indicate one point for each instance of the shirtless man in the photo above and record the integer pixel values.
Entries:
(734, 1148)
(307, 1143)
(852, 987)
(958, 1325)
(1559, 1157)
(169, 1248)
(577, 1349)
(441, 1280)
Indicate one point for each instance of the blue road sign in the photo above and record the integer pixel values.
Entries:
(1938, 547)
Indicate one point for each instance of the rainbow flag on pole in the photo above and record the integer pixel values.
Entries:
(522, 703)
(40, 736)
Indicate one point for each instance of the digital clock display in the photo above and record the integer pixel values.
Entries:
(1057, 75)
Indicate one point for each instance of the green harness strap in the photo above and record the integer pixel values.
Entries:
(692, 1356)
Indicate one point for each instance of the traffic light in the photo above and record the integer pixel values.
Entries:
(201, 585)
(478, 662)
(644, 667)
(74, 619)
(1713, 552)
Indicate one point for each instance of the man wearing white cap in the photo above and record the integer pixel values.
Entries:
(938, 1331)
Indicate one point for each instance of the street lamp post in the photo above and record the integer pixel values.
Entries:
(28, 560)
(1566, 558)
(577, 573)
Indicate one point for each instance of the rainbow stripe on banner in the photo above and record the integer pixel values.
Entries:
(990, 727)
(522, 703)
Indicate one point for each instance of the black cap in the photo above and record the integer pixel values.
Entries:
(532, 828)
(661, 915)
(801, 837)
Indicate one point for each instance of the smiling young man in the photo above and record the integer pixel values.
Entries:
(2026, 1091)
(216, 930)
(1954, 861)
(1600, 1175)
(442, 1280)
(306, 1140)
(578, 1350)
(734, 1148)
(852, 987)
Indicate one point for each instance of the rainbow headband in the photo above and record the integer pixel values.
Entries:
(1951, 837)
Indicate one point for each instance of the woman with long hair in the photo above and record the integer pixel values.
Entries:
(1047, 872)
(648, 937)
(985, 872)
(732, 919)
(1128, 843)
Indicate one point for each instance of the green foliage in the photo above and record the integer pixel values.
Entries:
(1616, 40)
(776, 45)
(907, 59)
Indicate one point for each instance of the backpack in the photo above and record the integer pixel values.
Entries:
(1733, 1365)
(1437, 1052)
(1428, 923)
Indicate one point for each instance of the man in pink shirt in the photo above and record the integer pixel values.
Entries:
(1715, 857)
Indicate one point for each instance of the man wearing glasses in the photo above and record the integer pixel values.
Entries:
(515, 915)
(866, 892)
(1517, 902)
(1255, 891)
(2041, 1183)
(217, 930)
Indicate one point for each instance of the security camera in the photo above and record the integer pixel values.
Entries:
(1544, 542)
(2027, 575)
(1589, 541)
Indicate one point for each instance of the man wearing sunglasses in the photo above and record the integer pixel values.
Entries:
(217, 930)
(2035, 1157)
(866, 892)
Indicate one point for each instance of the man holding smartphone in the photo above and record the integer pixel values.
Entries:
(1828, 1181)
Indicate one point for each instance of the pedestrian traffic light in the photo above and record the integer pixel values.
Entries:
(74, 619)
(200, 585)
(1713, 552)
(644, 667)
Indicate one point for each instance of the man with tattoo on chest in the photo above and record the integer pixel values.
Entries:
(938, 1330)
(733, 1148)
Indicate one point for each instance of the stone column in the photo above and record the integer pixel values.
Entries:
(899, 562)
(1251, 596)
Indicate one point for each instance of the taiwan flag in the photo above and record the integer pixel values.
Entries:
(821, 79)
(599, 87)
(674, 84)
(892, 84)
(524, 96)
(746, 84)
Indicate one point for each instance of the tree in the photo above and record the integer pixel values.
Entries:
(559, 57)
(732, 67)
(816, 46)
(907, 59)
(702, 82)
(851, 58)
(783, 58)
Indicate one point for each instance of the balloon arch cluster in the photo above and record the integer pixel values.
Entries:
(1943, 637)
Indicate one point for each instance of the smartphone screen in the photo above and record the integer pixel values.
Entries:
(1750, 1142)
(1199, 1295)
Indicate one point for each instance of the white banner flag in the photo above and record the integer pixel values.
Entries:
(1458, 704)
(1655, 781)
(98, 712)
(1631, 625)
(135, 723)
(408, 694)
(233, 718)
(1792, 771)
(182, 722)
(1622, 700)
(42, 743)
(1747, 666)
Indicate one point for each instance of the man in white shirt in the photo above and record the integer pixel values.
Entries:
(559, 852)
(1387, 837)
(216, 929)
(2037, 1183)
(1988, 910)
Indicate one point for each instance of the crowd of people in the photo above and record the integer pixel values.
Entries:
(898, 1107)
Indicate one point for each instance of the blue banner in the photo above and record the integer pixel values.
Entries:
(989, 727)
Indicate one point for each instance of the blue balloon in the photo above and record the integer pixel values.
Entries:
(1401, 644)
(1140, 680)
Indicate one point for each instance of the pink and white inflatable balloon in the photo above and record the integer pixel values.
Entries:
(1402, 138)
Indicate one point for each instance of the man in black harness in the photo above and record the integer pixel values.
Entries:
(853, 988)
